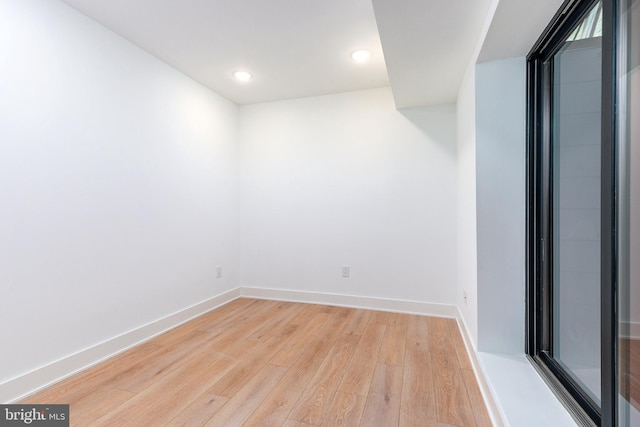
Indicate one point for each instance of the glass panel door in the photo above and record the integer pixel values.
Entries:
(575, 203)
(565, 214)
(583, 217)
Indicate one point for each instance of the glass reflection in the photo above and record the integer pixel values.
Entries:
(576, 153)
(629, 212)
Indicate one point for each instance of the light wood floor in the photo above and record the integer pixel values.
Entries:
(267, 363)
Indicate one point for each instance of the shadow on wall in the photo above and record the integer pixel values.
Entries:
(426, 119)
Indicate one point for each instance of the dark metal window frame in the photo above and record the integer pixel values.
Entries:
(539, 322)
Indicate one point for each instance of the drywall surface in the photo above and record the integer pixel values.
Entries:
(467, 258)
(117, 185)
(500, 174)
(347, 180)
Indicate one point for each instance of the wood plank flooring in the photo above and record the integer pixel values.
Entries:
(267, 363)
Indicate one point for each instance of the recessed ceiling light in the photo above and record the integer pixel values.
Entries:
(243, 76)
(360, 55)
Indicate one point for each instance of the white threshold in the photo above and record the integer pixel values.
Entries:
(518, 394)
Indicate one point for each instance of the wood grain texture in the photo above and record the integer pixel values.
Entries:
(418, 333)
(252, 311)
(357, 378)
(154, 405)
(383, 402)
(452, 399)
(320, 331)
(393, 346)
(99, 404)
(277, 406)
(438, 326)
(276, 323)
(477, 402)
(418, 405)
(312, 406)
(79, 387)
(357, 322)
(199, 412)
(165, 361)
(344, 410)
(292, 423)
(389, 319)
(269, 363)
(245, 370)
(461, 350)
(239, 408)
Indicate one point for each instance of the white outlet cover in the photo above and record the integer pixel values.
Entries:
(345, 271)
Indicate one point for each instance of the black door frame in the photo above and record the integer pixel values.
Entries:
(539, 295)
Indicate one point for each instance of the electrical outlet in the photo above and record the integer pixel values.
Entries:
(345, 271)
(219, 272)
(464, 296)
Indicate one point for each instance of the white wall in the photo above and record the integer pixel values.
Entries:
(117, 186)
(466, 216)
(348, 180)
(500, 174)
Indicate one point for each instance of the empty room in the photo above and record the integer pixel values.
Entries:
(319, 213)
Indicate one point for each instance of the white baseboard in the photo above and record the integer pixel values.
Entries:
(370, 303)
(29, 383)
(498, 418)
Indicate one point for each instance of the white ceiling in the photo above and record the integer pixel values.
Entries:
(299, 48)
(515, 27)
(294, 48)
(428, 45)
